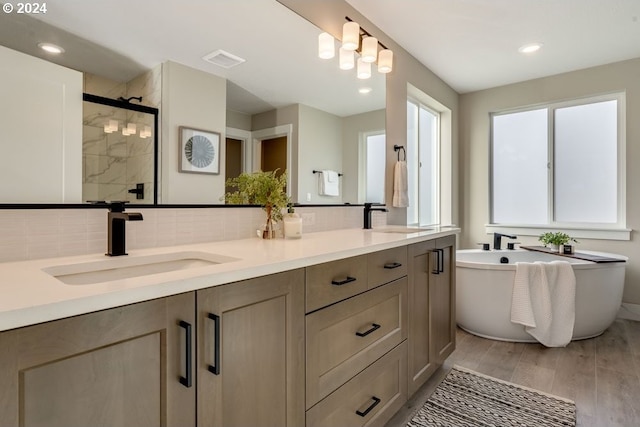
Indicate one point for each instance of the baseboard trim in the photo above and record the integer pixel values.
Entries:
(629, 311)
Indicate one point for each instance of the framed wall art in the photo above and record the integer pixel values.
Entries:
(199, 151)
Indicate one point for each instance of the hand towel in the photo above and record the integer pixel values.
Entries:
(400, 186)
(543, 300)
(328, 184)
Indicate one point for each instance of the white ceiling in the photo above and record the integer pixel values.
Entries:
(473, 44)
(470, 44)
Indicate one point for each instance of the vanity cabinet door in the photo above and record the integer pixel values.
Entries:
(251, 352)
(442, 324)
(432, 320)
(118, 367)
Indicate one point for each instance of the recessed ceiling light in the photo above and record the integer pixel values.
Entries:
(364, 90)
(530, 48)
(51, 48)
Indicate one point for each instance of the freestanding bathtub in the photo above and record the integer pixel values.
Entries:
(484, 286)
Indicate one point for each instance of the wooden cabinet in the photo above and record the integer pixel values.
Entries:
(125, 366)
(245, 353)
(369, 398)
(356, 362)
(345, 338)
(431, 324)
(251, 352)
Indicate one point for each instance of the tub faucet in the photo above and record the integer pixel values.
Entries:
(367, 214)
(116, 235)
(497, 239)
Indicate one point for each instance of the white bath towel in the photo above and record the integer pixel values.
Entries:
(543, 300)
(328, 184)
(400, 186)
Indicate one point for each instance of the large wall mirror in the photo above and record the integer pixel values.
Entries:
(282, 99)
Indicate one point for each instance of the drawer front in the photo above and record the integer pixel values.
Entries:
(334, 281)
(345, 338)
(369, 399)
(387, 265)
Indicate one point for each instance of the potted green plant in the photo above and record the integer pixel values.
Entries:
(267, 189)
(555, 240)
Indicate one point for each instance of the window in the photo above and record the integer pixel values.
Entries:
(561, 165)
(375, 148)
(423, 167)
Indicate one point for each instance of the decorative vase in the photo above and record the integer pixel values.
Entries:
(269, 229)
(554, 248)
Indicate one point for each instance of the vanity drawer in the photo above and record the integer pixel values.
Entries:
(334, 281)
(345, 338)
(387, 265)
(382, 387)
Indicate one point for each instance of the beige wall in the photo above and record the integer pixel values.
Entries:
(194, 99)
(474, 143)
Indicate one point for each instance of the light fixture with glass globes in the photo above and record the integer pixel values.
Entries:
(356, 39)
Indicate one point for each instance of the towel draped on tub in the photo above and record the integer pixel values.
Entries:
(543, 300)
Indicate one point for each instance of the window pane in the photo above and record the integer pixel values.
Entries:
(519, 168)
(412, 162)
(586, 163)
(429, 167)
(376, 151)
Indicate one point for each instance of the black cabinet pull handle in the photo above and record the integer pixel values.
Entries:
(439, 260)
(374, 326)
(215, 368)
(349, 279)
(188, 380)
(373, 405)
(392, 265)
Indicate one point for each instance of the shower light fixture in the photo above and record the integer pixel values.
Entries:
(145, 132)
(111, 126)
(356, 39)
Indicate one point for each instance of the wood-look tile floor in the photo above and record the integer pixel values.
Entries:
(602, 374)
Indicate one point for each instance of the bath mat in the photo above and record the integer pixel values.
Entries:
(467, 398)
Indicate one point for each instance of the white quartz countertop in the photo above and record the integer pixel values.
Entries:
(30, 295)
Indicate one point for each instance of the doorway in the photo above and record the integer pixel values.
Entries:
(233, 160)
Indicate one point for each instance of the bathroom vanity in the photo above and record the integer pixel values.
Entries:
(337, 328)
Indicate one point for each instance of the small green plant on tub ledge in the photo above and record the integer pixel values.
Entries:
(267, 189)
(555, 240)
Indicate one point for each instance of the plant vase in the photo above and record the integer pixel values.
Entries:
(554, 248)
(269, 229)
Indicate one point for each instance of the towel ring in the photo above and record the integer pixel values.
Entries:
(399, 148)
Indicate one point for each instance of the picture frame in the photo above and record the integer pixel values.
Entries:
(199, 151)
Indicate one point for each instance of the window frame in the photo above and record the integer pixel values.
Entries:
(611, 231)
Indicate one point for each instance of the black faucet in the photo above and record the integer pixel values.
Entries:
(497, 239)
(116, 234)
(367, 214)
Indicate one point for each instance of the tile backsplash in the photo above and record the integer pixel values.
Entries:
(45, 233)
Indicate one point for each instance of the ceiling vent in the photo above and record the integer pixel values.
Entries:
(223, 59)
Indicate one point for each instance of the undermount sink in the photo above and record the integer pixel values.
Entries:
(112, 269)
(401, 230)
